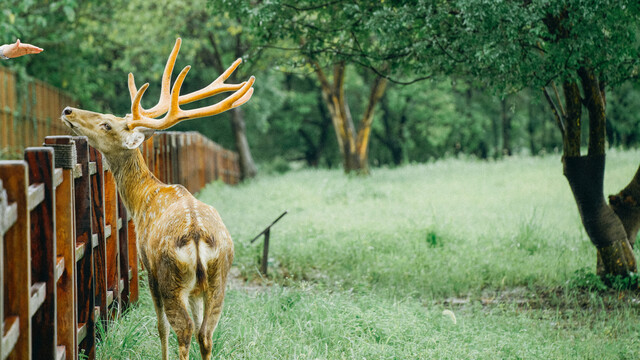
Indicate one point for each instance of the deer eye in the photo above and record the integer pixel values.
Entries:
(106, 126)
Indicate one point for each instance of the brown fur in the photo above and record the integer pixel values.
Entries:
(182, 242)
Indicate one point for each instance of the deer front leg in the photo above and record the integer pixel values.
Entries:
(178, 316)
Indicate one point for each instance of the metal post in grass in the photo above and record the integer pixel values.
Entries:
(265, 246)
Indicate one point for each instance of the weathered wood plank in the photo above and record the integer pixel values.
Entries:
(17, 267)
(36, 195)
(81, 249)
(38, 295)
(43, 253)
(59, 267)
(123, 255)
(66, 255)
(11, 335)
(133, 262)
(84, 276)
(77, 171)
(111, 238)
(109, 297)
(10, 216)
(82, 332)
(3, 209)
(98, 224)
(61, 353)
(57, 177)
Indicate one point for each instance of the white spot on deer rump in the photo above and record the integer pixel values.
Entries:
(207, 253)
(187, 253)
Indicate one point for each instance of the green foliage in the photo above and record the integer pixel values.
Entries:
(623, 113)
(584, 278)
(511, 45)
(624, 283)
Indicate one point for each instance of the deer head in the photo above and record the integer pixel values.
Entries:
(111, 134)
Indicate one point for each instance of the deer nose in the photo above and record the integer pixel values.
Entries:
(67, 111)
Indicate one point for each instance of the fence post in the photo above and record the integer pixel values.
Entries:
(111, 240)
(265, 246)
(65, 161)
(3, 225)
(133, 261)
(43, 252)
(17, 265)
(98, 235)
(84, 252)
(123, 255)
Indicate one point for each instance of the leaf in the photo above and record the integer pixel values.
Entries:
(69, 13)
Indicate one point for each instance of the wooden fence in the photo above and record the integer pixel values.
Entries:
(67, 248)
(29, 111)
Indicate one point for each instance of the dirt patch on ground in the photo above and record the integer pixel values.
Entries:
(553, 298)
(236, 281)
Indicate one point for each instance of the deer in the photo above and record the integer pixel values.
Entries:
(182, 242)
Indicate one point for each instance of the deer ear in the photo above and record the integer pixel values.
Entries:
(146, 131)
(133, 139)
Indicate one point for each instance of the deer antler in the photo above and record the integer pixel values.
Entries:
(170, 102)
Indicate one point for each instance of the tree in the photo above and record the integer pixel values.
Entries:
(573, 51)
(318, 37)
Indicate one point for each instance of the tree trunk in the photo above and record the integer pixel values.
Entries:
(612, 228)
(605, 229)
(531, 126)
(354, 147)
(393, 138)
(247, 166)
(314, 150)
(506, 128)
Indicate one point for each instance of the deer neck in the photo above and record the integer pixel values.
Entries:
(136, 184)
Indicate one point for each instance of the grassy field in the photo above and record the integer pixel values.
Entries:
(363, 268)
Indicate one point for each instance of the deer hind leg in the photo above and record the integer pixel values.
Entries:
(176, 310)
(213, 300)
(163, 324)
(196, 304)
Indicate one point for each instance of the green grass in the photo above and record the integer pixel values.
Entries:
(362, 268)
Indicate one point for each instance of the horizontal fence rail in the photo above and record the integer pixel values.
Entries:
(29, 111)
(67, 247)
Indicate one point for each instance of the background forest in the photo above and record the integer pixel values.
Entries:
(90, 46)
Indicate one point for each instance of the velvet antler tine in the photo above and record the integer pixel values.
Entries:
(222, 106)
(225, 75)
(216, 87)
(163, 103)
(135, 104)
(132, 86)
(243, 99)
(170, 99)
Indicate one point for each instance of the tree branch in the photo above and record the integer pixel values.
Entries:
(555, 89)
(556, 112)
